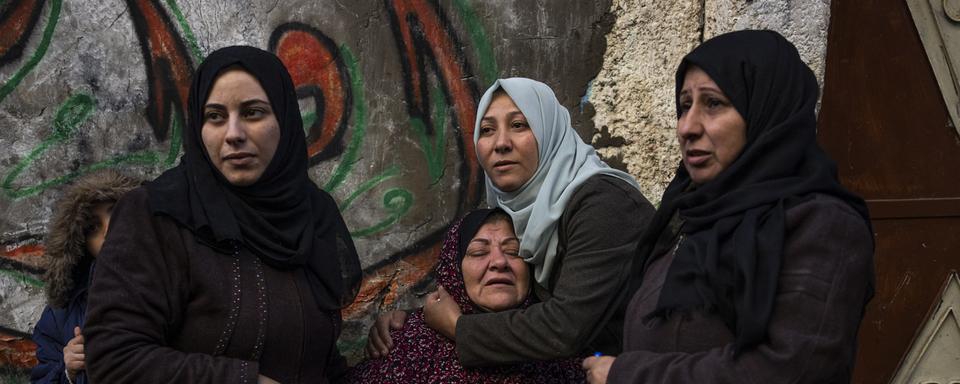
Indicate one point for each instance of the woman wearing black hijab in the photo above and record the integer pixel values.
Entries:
(232, 266)
(758, 264)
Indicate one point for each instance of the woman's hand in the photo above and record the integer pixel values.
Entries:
(597, 368)
(441, 313)
(379, 342)
(73, 354)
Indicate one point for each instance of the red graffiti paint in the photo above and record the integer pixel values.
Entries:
(390, 279)
(169, 68)
(17, 22)
(23, 251)
(318, 71)
(427, 43)
(17, 352)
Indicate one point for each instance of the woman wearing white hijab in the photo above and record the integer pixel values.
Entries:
(578, 221)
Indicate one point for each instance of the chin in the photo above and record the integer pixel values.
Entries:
(241, 181)
(506, 186)
(499, 304)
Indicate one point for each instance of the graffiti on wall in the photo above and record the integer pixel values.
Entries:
(387, 90)
(440, 93)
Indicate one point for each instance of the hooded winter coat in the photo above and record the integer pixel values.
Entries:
(68, 268)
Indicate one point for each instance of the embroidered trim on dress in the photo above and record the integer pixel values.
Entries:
(261, 309)
(234, 312)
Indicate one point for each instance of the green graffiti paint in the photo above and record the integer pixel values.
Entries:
(17, 77)
(76, 110)
(349, 158)
(22, 278)
(308, 119)
(70, 116)
(391, 172)
(434, 150)
(397, 201)
(187, 32)
(487, 61)
(347, 346)
(175, 139)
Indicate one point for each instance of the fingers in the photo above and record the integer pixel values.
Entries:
(73, 358)
(397, 318)
(588, 363)
(376, 347)
(76, 331)
(597, 368)
(379, 341)
(431, 298)
(74, 364)
(383, 331)
(442, 293)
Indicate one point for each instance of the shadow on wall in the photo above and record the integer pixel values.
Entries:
(389, 129)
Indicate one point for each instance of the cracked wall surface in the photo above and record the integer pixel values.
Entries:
(634, 93)
(388, 92)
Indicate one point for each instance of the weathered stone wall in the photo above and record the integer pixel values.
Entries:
(634, 93)
(388, 93)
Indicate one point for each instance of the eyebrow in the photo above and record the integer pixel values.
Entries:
(245, 103)
(510, 240)
(487, 241)
(511, 114)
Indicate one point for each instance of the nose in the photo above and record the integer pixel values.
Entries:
(502, 143)
(690, 125)
(498, 260)
(236, 131)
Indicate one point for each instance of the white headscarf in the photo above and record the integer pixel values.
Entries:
(566, 162)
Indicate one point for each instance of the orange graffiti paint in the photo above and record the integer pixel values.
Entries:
(17, 22)
(169, 69)
(315, 67)
(17, 352)
(421, 32)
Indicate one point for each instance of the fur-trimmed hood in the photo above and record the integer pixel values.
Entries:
(66, 241)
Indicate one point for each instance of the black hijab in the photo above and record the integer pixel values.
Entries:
(733, 226)
(283, 218)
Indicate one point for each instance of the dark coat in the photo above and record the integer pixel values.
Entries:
(51, 334)
(812, 334)
(169, 306)
(68, 267)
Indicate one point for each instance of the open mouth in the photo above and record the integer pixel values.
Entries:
(696, 157)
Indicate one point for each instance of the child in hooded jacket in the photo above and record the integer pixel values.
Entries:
(77, 232)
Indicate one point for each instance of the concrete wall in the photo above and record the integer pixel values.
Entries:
(389, 92)
(634, 93)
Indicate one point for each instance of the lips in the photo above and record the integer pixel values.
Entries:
(239, 158)
(499, 280)
(696, 157)
(503, 164)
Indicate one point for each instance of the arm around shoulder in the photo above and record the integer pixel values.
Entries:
(598, 235)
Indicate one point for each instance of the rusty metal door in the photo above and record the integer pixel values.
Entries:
(884, 121)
